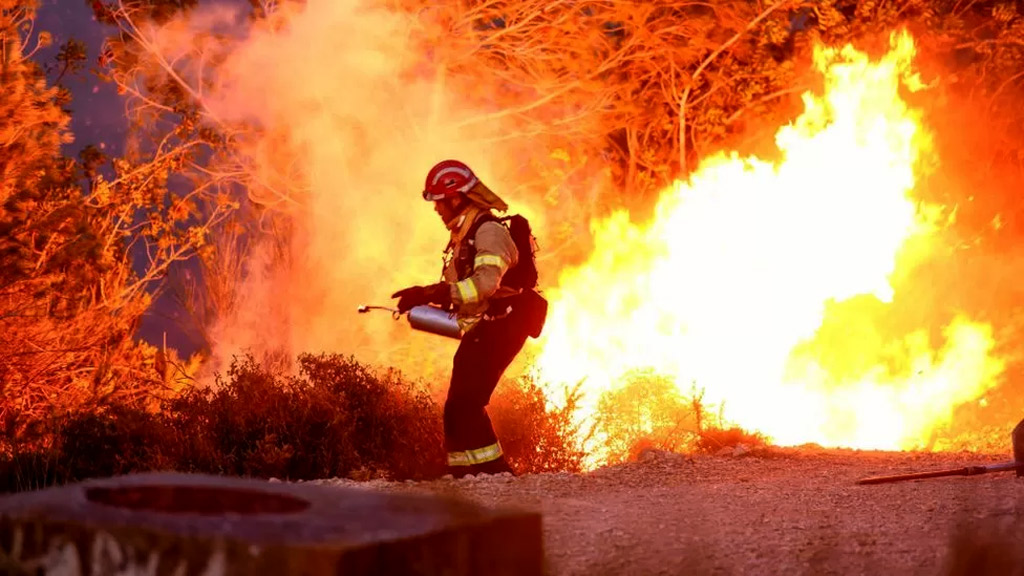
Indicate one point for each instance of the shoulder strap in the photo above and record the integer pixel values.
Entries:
(465, 253)
(480, 221)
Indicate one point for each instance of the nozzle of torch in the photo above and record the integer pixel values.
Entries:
(366, 308)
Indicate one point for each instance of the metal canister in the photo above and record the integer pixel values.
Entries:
(434, 320)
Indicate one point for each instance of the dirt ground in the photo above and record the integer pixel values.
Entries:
(768, 511)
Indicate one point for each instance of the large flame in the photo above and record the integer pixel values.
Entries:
(729, 284)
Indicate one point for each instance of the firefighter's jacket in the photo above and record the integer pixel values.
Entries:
(476, 265)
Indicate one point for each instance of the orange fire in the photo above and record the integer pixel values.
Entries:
(729, 284)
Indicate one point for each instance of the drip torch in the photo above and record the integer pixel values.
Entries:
(1015, 465)
(426, 318)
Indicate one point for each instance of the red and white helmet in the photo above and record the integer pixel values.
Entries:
(447, 179)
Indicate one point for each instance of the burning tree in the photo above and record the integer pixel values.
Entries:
(87, 244)
(641, 89)
(69, 299)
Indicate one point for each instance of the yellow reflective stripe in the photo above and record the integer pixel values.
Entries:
(476, 456)
(467, 291)
(485, 454)
(490, 260)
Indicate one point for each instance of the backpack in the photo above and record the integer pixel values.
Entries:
(524, 274)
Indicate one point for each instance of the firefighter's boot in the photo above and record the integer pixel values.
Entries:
(494, 467)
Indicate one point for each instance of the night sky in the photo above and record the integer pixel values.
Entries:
(98, 118)
(98, 113)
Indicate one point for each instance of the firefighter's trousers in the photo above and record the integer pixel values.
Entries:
(484, 354)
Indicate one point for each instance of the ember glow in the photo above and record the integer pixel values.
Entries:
(728, 286)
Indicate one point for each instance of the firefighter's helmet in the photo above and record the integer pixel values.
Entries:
(447, 179)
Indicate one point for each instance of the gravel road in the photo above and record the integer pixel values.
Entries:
(767, 511)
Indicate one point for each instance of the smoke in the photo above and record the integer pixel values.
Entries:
(337, 113)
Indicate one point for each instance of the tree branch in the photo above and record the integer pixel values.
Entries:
(700, 69)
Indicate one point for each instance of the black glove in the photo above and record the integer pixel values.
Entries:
(411, 297)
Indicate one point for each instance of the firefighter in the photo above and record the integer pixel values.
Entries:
(494, 328)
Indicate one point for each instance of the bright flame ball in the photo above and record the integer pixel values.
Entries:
(737, 268)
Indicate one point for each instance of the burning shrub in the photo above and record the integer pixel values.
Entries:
(536, 438)
(715, 437)
(650, 412)
(230, 429)
(106, 441)
(337, 418)
(115, 440)
(647, 411)
(396, 426)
